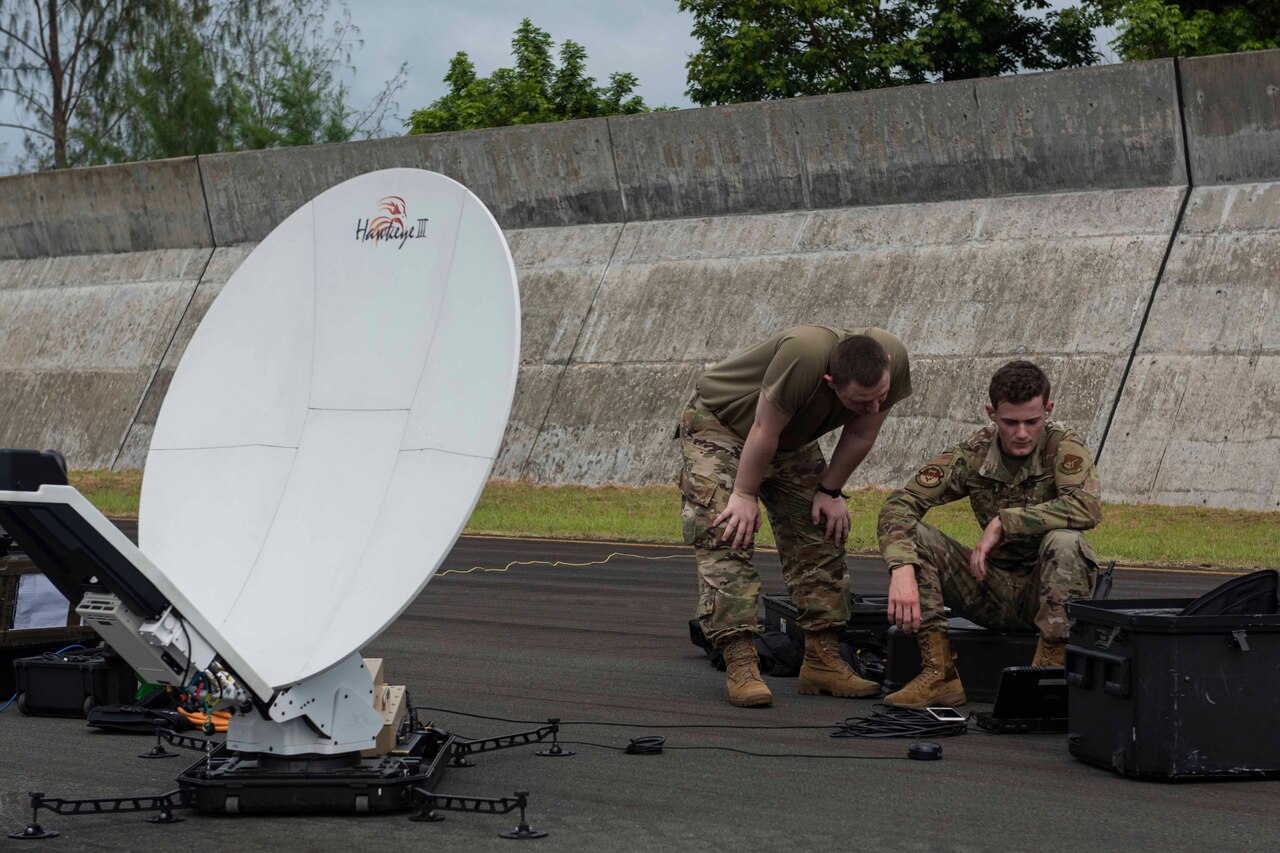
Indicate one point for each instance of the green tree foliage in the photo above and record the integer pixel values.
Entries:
(181, 77)
(1151, 29)
(760, 49)
(56, 60)
(282, 58)
(960, 39)
(535, 89)
(308, 113)
(757, 49)
(168, 93)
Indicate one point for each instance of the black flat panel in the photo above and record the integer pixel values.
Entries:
(72, 553)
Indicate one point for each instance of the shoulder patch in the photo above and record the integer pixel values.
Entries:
(1071, 464)
(930, 476)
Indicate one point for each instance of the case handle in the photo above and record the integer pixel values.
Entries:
(1080, 670)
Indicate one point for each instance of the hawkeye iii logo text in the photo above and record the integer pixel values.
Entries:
(391, 225)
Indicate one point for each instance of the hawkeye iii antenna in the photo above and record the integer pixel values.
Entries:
(323, 442)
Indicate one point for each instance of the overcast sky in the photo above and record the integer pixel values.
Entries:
(649, 38)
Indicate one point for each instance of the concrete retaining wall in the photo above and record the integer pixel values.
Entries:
(83, 338)
(135, 207)
(979, 220)
(969, 284)
(1199, 422)
(1199, 419)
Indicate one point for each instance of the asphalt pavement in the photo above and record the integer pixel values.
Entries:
(596, 633)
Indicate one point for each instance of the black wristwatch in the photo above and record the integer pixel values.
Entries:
(834, 493)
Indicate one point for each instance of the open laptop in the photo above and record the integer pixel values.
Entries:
(1029, 699)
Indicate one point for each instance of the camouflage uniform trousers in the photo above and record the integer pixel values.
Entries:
(728, 584)
(1013, 597)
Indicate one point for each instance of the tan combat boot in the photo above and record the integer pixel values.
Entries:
(824, 671)
(938, 682)
(1049, 653)
(746, 688)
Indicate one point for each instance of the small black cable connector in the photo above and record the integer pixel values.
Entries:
(647, 745)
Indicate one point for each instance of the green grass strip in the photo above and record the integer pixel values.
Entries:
(1130, 533)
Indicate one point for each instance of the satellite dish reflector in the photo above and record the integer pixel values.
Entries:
(333, 422)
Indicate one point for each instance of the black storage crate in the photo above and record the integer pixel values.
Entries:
(1156, 695)
(24, 642)
(71, 684)
(868, 619)
(981, 656)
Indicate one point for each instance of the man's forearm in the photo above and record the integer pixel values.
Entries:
(756, 453)
(1081, 510)
(850, 450)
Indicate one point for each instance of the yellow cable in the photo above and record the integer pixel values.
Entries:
(555, 563)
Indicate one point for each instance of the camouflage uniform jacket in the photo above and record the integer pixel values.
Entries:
(1056, 488)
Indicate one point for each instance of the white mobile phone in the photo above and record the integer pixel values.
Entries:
(946, 715)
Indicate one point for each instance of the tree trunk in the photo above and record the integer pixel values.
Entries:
(55, 75)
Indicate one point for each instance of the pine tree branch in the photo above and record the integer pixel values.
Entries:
(5, 31)
(28, 129)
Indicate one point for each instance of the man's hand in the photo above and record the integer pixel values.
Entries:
(904, 599)
(836, 513)
(989, 539)
(741, 520)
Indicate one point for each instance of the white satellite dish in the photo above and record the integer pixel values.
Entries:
(332, 423)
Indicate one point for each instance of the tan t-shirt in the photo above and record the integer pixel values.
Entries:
(788, 368)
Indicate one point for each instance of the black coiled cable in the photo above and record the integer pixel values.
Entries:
(646, 745)
(899, 722)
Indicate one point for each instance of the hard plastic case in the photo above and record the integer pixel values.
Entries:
(72, 684)
(1156, 695)
(981, 656)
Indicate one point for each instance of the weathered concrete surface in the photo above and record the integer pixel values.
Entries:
(1062, 278)
(536, 387)
(1104, 127)
(612, 423)
(546, 175)
(1093, 128)
(560, 270)
(1232, 109)
(83, 337)
(1108, 127)
(1199, 420)
(734, 159)
(220, 267)
(919, 143)
(133, 207)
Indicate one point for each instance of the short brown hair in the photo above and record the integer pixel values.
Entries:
(1018, 382)
(860, 359)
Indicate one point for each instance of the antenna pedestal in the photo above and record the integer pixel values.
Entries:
(328, 714)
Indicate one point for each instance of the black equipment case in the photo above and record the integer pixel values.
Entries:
(1159, 695)
(18, 643)
(981, 657)
(73, 683)
(868, 619)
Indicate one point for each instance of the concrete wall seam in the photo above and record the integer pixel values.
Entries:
(572, 350)
(164, 355)
(1164, 262)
